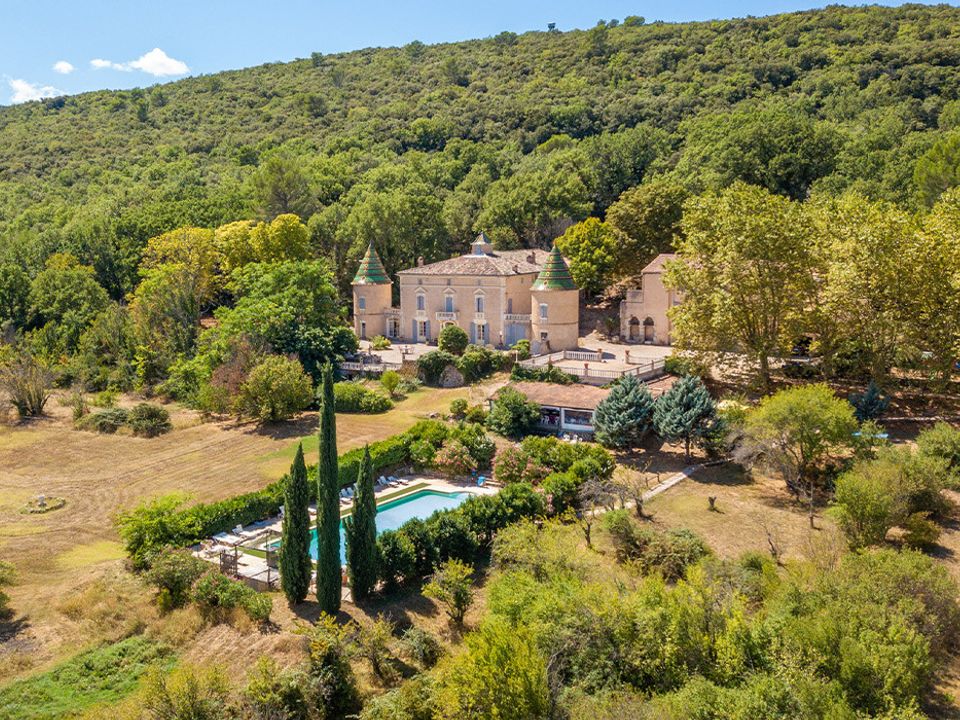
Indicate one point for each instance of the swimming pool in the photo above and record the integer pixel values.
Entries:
(391, 514)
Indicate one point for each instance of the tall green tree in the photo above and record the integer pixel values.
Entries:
(328, 502)
(648, 218)
(625, 415)
(295, 563)
(361, 533)
(796, 431)
(746, 270)
(593, 249)
(685, 412)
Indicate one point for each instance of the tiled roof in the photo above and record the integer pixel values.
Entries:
(504, 262)
(555, 274)
(574, 396)
(657, 264)
(371, 271)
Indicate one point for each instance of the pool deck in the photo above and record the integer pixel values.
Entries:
(250, 545)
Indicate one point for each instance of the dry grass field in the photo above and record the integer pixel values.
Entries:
(72, 558)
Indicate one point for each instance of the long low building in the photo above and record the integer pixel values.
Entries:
(570, 408)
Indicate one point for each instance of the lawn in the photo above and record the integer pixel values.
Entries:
(102, 675)
(62, 553)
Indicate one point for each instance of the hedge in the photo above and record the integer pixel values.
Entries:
(149, 528)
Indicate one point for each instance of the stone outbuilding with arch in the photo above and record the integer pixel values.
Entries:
(643, 313)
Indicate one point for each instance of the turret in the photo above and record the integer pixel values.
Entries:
(555, 311)
(372, 296)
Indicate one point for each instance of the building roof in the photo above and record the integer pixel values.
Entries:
(371, 270)
(657, 264)
(574, 396)
(503, 262)
(555, 274)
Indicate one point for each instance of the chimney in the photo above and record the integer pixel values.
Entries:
(532, 258)
(420, 261)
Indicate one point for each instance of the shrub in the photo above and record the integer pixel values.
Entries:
(431, 365)
(104, 421)
(215, 593)
(521, 349)
(453, 339)
(454, 459)
(475, 414)
(451, 586)
(276, 389)
(333, 681)
(669, 552)
(149, 420)
(105, 398)
(559, 456)
(27, 384)
(352, 397)
(422, 453)
(458, 408)
(548, 374)
(512, 415)
(7, 576)
(480, 445)
(451, 536)
(174, 571)
(513, 465)
(421, 540)
(920, 531)
(390, 381)
(942, 441)
(379, 342)
(562, 490)
(478, 362)
(397, 557)
(421, 647)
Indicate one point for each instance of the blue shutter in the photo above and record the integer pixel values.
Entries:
(427, 330)
(473, 332)
(413, 331)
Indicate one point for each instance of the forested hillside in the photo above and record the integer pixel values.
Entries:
(420, 146)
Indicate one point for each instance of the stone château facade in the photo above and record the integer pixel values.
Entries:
(497, 297)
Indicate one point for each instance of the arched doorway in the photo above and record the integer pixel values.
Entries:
(648, 330)
(634, 331)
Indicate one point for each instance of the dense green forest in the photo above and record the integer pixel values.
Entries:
(420, 146)
(127, 216)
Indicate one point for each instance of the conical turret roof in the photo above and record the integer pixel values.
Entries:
(555, 274)
(371, 271)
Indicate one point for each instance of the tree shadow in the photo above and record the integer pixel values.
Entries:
(303, 424)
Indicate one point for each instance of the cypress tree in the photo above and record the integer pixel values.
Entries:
(328, 502)
(361, 533)
(295, 565)
(625, 415)
(685, 412)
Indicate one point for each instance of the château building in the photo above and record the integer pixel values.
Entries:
(497, 297)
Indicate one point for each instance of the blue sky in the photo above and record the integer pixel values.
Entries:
(70, 46)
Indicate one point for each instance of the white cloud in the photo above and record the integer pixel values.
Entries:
(156, 63)
(100, 64)
(63, 67)
(24, 91)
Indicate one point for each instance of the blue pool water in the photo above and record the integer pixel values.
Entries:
(394, 513)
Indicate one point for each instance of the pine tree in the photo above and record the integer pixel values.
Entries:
(295, 564)
(869, 405)
(328, 503)
(625, 415)
(685, 412)
(361, 533)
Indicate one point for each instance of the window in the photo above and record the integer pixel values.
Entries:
(363, 331)
(543, 337)
(479, 303)
(362, 303)
(421, 302)
(481, 334)
(422, 330)
(509, 306)
(543, 311)
(448, 303)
